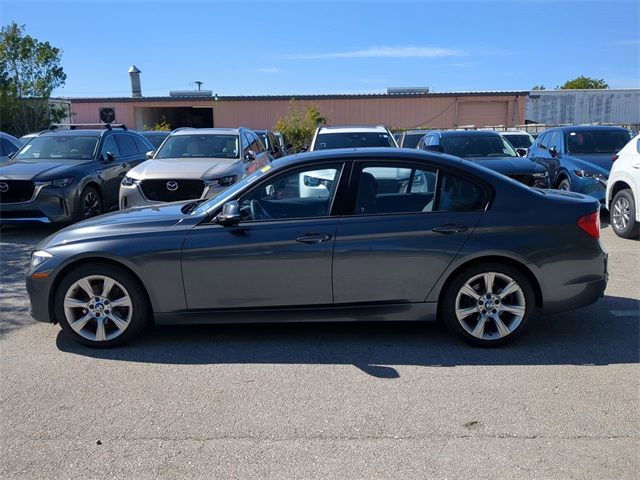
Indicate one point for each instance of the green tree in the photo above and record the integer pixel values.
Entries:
(297, 127)
(29, 71)
(539, 87)
(162, 126)
(584, 83)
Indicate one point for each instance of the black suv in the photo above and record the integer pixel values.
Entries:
(271, 143)
(69, 172)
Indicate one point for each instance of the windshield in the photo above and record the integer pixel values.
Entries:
(603, 141)
(411, 140)
(67, 147)
(520, 141)
(477, 146)
(231, 191)
(327, 141)
(199, 146)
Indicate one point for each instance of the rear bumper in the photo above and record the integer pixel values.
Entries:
(576, 296)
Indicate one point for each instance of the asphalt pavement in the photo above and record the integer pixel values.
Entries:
(329, 401)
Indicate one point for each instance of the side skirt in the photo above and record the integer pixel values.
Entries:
(351, 313)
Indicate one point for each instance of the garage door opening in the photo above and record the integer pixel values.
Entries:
(176, 117)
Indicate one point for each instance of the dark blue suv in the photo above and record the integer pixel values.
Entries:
(578, 158)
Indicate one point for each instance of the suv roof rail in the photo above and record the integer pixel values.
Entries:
(73, 126)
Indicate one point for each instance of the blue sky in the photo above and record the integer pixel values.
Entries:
(287, 47)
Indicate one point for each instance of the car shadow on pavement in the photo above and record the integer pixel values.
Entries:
(605, 333)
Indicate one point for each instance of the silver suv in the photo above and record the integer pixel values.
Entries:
(193, 163)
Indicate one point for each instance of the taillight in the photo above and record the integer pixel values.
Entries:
(614, 157)
(590, 224)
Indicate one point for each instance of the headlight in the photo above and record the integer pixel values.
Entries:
(223, 181)
(128, 181)
(62, 182)
(541, 175)
(315, 182)
(585, 174)
(38, 257)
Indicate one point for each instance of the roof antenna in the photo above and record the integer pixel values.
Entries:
(199, 84)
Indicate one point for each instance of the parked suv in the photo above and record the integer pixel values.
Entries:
(623, 191)
(8, 146)
(578, 158)
(271, 143)
(326, 138)
(410, 138)
(68, 172)
(519, 139)
(489, 149)
(194, 163)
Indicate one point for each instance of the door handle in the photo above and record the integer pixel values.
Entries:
(450, 228)
(314, 238)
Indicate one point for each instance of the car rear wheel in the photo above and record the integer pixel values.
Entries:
(489, 304)
(100, 305)
(623, 214)
(564, 184)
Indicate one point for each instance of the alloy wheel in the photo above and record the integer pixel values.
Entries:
(490, 305)
(91, 204)
(98, 308)
(621, 214)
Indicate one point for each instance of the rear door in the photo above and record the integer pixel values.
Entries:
(408, 222)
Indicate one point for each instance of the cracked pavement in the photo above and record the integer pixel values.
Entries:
(330, 401)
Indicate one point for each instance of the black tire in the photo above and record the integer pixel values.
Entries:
(624, 200)
(90, 203)
(134, 289)
(564, 184)
(449, 297)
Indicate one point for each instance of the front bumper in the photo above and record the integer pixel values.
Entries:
(47, 205)
(594, 188)
(132, 196)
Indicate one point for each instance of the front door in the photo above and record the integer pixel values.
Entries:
(409, 223)
(279, 255)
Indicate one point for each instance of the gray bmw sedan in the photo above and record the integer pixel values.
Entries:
(338, 235)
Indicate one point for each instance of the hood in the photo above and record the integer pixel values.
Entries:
(509, 165)
(597, 162)
(134, 221)
(185, 168)
(39, 170)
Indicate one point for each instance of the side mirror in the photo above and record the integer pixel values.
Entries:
(250, 155)
(553, 151)
(304, 148)
(230, 214)
(11, 155)
(434, 148)
(150, 154)
(108, 157)
(522, 152)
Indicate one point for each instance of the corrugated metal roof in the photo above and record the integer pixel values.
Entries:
(299, 97)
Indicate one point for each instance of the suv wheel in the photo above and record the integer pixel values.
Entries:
(623, 214)
(90, 203)
(488, 305)
(100, 305)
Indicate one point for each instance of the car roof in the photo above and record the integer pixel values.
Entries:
(588, 128)
(469, 133)
(408, 132)
(354, 129)
(7, 135)
(206, 131)
(75, 133)
(514, 132)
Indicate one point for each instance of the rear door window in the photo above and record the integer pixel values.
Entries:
(126, 145)
(141, 145)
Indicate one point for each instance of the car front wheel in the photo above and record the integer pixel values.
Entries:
(90, 203)
(100, 305)
(623, 215)
(488, 305)
(564, 184)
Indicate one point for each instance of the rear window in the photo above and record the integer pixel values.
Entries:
(328, 141)
(476, 146)
(594, 141)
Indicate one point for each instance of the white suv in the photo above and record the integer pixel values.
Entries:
(315, 184)
(623, 190)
